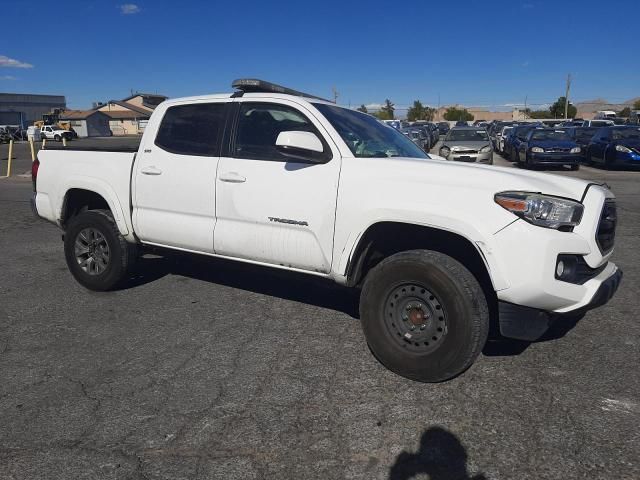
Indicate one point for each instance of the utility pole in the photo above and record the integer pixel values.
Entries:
(566, 97)
(335, 94)
(525, 107)
(438, 111)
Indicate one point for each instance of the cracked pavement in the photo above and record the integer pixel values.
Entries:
(208, 369)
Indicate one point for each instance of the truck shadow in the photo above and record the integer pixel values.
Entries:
(263, 280)
(441, 456)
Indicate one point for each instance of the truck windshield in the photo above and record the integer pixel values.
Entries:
(367, 137)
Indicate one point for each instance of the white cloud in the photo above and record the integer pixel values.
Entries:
(7, 77)
(13, 63)
(129, 9)
(525, 64)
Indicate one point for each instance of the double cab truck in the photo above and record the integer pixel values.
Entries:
(442, 253)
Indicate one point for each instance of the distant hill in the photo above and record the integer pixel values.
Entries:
(591, 106)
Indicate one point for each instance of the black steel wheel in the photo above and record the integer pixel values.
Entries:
(415, 318)
(424, 315)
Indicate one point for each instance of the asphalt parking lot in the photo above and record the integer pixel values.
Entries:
(207, 369)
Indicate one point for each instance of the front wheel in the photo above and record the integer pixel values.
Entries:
(424, 315)
(575, 167)
(97, 254)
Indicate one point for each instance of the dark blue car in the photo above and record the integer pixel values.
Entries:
(516, 136)
(582, 136)
(612, 146)
(549, 147)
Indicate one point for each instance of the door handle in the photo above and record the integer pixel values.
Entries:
(151, 170)
(232, 177)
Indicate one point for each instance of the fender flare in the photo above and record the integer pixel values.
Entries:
(461, 229)
(99, 187)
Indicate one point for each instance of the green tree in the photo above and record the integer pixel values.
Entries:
(625, 112)
(636, 105)
(540, 114)
(429, 114)
(388, 110)
(362, 108)
(557, 109)
(416, 111)
(382, 115)
(457, 114)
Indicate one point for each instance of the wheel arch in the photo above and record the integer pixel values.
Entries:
(384, 238)
(79, 197)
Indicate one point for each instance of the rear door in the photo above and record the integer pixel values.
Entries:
(173, 194)
(271, 208)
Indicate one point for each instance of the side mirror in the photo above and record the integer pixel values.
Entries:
(304, 146)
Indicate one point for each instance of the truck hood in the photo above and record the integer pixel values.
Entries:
(488, 178)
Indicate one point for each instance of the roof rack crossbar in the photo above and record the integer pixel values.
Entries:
(255, 85)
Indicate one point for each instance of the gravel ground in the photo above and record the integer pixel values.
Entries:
(207, 369)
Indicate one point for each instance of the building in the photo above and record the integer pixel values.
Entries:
(130, 115)
(24, 108)
(87, 123)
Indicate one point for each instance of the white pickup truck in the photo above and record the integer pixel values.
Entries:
(443, 252)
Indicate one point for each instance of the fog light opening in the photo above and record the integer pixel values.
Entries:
(560, 269)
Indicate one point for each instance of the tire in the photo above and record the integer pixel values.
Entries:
(57, 138)
(116, 262)
(575, 167)
(436, 349)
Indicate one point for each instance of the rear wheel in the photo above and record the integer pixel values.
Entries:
(424, 315)
(57, 138)
(97, 254)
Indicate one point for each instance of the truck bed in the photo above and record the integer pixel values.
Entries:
(98, 144)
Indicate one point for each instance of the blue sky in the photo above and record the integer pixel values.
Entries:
(474, 52)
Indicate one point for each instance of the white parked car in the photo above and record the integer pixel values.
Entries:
(53, 132)
(442, 251)
(598, 123)
(503, 134)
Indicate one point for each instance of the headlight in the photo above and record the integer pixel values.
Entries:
(455, 148)
(623, 149)
(485, 149)
(537, 150)
(575, 150)
(541, 210)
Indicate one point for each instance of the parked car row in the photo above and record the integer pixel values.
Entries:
(422, 133)
(12, 132)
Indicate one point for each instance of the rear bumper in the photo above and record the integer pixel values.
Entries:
(526, 323)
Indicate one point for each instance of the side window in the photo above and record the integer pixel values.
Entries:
(259, 125)
(194, 129)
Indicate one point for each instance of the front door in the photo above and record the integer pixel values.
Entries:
(174, 177)
(271, 208)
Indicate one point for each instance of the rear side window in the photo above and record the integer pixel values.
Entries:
(194, 129)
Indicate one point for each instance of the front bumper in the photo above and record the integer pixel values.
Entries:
(471, 157)
(526, 323)
(554, 158)
(628, 158)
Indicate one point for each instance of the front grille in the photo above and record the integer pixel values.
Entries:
(466, 152)
(606, 233)
(558, 150)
